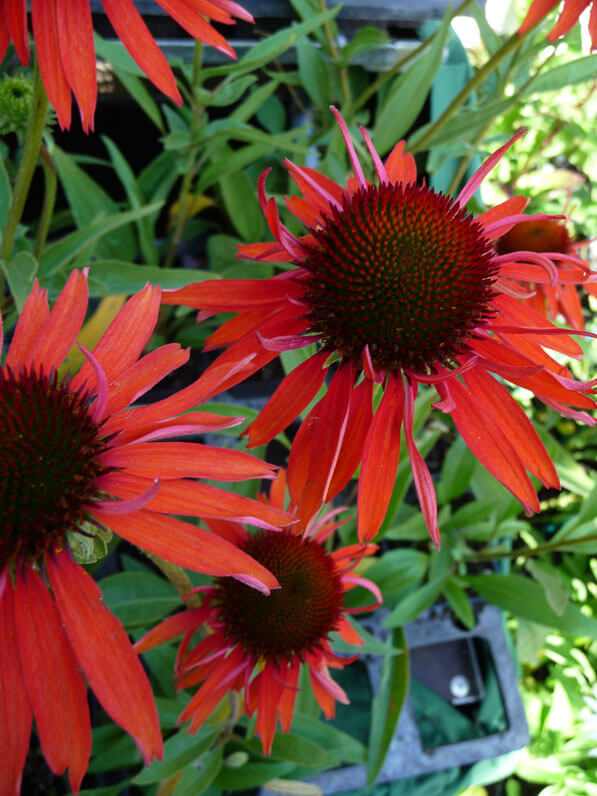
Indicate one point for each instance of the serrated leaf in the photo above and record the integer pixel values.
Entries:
(387, 705)
(138, 599)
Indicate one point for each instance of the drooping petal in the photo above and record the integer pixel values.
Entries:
(269, 693)
(77, 54)
(421, 474)
(288, 697)
(489, 444)
(196, 26)
(187, 546)
(50, 666)
(381, 453)
(506, 413)
(186, 460)
(15, 708)
(328, 433)
(105, 654)
(45, 33)
(195, 499)
(537, 11)
(134, 34)
(295, 392)
(570, 13)
(15, 16)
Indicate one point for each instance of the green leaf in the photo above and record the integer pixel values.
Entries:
(464, 124)
(408, 93)
(387, 705)
(5, 194)
(523, 597)
(556, 592)
(59, 254)
(273, 46)
(121, 752)
(251, 775)
(138, 91)
(415, 603)
(298, 750)
(139, 599)
(338, 743)
(315, 73)
(194, 781)
(88, 201)
(107, 277)
(20, 273)
(567, 74)
(227, 93)
(396, 570)
(240, 201)
(254, 102)
(364, 40)
(179, 752)
(457, 471)
(127, 178)
(224, 166)
(459, 603)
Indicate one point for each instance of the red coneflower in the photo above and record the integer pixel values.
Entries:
(63, 35)
(550, 237)
(569, 16)
(257, 642)
(398, 286)
(77, 463)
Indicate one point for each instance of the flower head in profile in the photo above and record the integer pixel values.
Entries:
(550, 238)
(396, 286)
(257, 642)
(63, 35)
(569, 16)
(78, 463)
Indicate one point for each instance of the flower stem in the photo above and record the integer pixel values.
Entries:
(49, 199)
(333, 51)
(31, 148)
(177, 577)
(400, 64)
(185, 187)
(528, 552)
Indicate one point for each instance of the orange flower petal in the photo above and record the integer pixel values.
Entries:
(295, 392)
(50, 666)
(187, 545)
(31, 321)
(77, 54)
(380, 460)
(15, 708)
(45, 33)
(105, 654)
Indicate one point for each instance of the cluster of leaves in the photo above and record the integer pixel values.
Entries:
(237, 120)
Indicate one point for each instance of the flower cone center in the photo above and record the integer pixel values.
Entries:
(404, 270)
(292, 619)
(49, 460)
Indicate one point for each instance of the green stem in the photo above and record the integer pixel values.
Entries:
(399, 65)
(528, 552)
(51, 184)
(33, 139)
(333, 51)
(185, 187)
(473, 84)
(177, 577)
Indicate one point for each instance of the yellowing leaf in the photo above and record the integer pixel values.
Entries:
(91, 331)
